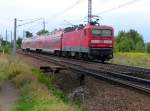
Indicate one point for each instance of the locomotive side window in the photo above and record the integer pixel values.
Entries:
(102, 32)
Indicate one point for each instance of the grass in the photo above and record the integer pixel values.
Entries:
(132, 59)
(37, 92)
(10, 67)
(5, 48)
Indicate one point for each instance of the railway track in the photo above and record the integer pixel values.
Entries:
(121, 74)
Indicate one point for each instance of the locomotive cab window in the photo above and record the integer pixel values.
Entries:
(101, 32)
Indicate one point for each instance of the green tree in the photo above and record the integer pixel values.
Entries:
(28, 34)
(148, 47)
(118, 40)
(125, 44)
(130, 41)
(19, 41)
(140, 46)
(42, 32)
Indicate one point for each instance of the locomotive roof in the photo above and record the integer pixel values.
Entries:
(81, 26)
(99, 27)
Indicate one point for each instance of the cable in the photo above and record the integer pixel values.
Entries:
(115, 8)
(118, 7)
(30, 22)
(67, 9)
(28, 19)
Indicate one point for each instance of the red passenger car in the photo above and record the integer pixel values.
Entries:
(50, 43)
(90, 41)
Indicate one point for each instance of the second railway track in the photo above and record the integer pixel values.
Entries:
(121, 74)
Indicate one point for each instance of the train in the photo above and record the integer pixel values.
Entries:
(88, 42)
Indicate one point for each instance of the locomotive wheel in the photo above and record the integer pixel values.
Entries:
(68, 54)
(64, 54)
(56, 53)
(78, 55)
(103, 61)
(90, 57)
(85, 56)
(59, 53)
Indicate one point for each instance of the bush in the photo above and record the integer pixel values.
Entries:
(148, 48)
(130, 41)
(5, 49)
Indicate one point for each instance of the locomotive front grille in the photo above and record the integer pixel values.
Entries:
(102, 52)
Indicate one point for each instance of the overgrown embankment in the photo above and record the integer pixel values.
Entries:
(36, 90)
(132, 58)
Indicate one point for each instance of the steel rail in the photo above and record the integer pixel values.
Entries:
(128, 80)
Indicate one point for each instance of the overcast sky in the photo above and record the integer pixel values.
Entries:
(135, 16)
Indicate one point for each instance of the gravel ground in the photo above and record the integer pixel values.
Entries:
(98, 95)
(8, 96)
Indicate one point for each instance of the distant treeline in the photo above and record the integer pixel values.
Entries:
(6, 46)
(130, 41)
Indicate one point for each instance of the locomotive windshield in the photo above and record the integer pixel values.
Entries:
(102, 32)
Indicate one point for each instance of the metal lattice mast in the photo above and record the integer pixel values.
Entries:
(14, 42)
(89, 11)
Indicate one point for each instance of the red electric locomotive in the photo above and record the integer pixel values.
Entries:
(90, 42)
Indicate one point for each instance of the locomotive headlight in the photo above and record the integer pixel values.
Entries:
(108, 41)
(101, 41)
(95, 41)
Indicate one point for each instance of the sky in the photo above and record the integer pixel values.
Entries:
(59, 13)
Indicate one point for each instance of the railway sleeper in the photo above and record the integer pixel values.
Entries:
(53, 69)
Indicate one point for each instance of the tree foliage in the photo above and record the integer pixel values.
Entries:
(42, 32)
(19, 41)
(130, 41)
(148, 47)
(28, 34)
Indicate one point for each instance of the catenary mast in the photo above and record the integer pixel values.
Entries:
(89, 11)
